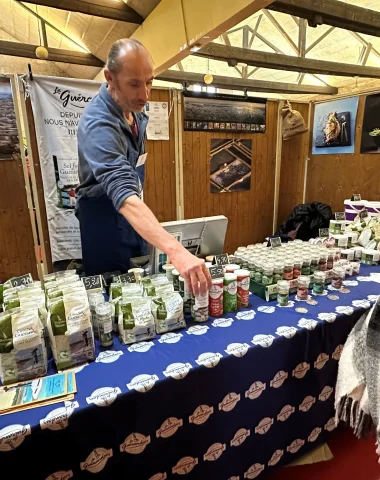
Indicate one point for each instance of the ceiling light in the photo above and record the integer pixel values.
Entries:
(42, 52)
(208, 78)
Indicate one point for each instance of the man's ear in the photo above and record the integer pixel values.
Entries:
(108, 76)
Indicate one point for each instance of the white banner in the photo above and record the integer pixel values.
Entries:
(58, 104)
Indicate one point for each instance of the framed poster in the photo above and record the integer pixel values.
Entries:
(9, 141)
(334, 127)
(219, 113)
(371, 125)
(230, 165)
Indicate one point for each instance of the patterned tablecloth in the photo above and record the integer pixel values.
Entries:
(226, 400)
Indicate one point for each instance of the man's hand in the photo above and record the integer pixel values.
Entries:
(193, 270)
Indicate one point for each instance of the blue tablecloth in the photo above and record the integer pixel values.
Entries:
(230, 399)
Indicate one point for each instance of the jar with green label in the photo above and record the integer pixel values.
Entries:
(251, 268)
(258, 272)
(278, 271)
(283, 288)
(230, 293)
(267, 278)
(319, 282)
(306, 265)
(288, 269)
(314, 263)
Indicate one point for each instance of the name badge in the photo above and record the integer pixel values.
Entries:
(142, 159)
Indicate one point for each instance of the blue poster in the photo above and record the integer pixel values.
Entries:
(334, 127)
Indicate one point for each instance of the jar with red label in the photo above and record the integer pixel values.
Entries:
(297, 267)
(339, 274)
(303, 283)
(243, 279)
(288, 269)
(330, 260)
(322, 264)
(215, 305)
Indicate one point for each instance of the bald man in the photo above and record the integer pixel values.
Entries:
(115, 223)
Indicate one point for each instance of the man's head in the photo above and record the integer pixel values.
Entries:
(129, 74)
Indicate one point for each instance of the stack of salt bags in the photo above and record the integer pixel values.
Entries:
(23, 353)
(167, 305)
(69, 322)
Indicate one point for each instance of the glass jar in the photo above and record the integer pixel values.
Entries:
(251, 268)
(278, 271)
(283, 288)
(104, 314)
(322, 264)
(314, 262)
(297, 267)
(355, 268)
(288, 269)
(337, 252)
(267, 278)
(95, 299)
(303, 283)
(244, 263)
(319, 282)
(258, 272)
(306, 265)
(330, 259)
(339, 274)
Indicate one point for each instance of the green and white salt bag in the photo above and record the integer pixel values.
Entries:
(168, 312)
(22, 347)
(70, 331)
(136, 322)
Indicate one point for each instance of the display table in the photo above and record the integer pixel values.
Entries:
(228, 399)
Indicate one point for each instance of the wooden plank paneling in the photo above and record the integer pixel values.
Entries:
(293, 162)
(159, 188)
(249, 213)
(334, 178)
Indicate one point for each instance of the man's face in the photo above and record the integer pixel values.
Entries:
(131, 86)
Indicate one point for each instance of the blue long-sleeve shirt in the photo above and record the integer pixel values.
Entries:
(108, 151)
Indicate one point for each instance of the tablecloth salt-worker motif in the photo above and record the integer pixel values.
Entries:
(232, 398)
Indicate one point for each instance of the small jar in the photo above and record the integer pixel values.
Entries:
(297, 267)
(267, 278)
(322, 264)
(355, 268)
(251, 268)
(231, 268)
(306, 266)
(337, 254)
(314, 263)
(283, 288)
(168, 269)
(288, 269)
(348, 255)
(319, 282)
(95, 299)
(330, 259)
(258, 272)
(278, 271)
(339, 274)
(104, 314)
(303, 283)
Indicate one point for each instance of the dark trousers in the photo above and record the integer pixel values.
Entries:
(108, 240)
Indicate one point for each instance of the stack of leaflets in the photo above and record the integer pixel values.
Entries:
(37, 393)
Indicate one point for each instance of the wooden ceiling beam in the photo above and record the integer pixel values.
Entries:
(16, 49)
(332, 12)
(232, 83)
(97, 8)
(284, 62)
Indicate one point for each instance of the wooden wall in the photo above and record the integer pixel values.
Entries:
(16, 240)
(293, 162)
(249, 213)
(334, 178)
(160, 180)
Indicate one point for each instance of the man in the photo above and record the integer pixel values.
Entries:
(114, 221)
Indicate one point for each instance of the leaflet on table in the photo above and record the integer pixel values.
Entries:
(37, 392)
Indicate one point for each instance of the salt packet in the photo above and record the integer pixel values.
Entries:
(70, 331)
(168, 312)
(136, 322)
(22, 347)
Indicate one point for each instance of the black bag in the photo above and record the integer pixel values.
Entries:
(308, 218)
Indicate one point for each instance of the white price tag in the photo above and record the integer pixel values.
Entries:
(142, 159)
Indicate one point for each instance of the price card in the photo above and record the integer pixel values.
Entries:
(340, 216)
(363, 213)
(324, 232)
(221, 259)
(356, 198)
(216, 272)
(23, 280)
(127, 278)
(276, 242)
(92, 283)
